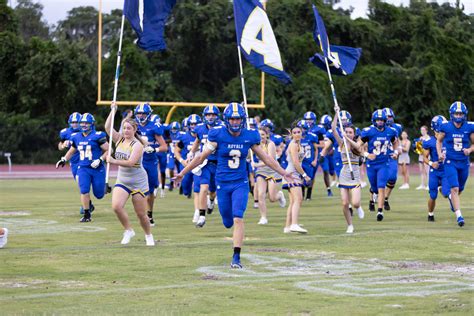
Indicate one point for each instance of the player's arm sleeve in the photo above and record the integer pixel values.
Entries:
(213, 135)
(256, 138)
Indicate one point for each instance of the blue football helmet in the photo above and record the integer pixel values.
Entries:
(87, 122)
(458, 107)
(155, 118)
(346, 118)
(184, 124)
(211, 109)
(303, 124)
(253, 123)
(310, 118)
(437, 121)
(379, 115)
(175, 127)
(268, 123)
(326, 121)
(234, 110)
(144, 108)
(390, 116)
(74, 118)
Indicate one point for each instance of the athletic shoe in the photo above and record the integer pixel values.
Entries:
(162, 193)
(255, 205)
(196, 216)
(86, 218)
(363, 184)
(127, 236)
(431, 218)
(350, 229)
(386, 206)
(371, 206)
(201, 221)
(263, 221)
(235, 264)
(282, 199)
(210, 205)
(360, 212)
(461, 221)
(286, 230)
(420, 187)
(4, 238)
(330, 193)
(379, 216)
(149, 240)
(404, 186)
(295, 228)
(150, 217)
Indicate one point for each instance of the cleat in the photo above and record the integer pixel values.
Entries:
(149, 240)
(85, 220)
(286, 230)
(330, 193)
(372, 206)
(255, 205)
(386, 206)
(127, 236)
(351, 211)
(431, 218)
(295, 228)
(4, 238)
(263, 221)
(460, 221)
(235, 264)
(379, 216)
(360, 212)
(350, 229)
(150, 217)
(196, 216)
(282, 199)
(201, 221)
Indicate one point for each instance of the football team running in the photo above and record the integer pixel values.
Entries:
(223, 158)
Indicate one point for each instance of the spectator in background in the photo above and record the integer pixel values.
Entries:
(404, 160)
(421, 165)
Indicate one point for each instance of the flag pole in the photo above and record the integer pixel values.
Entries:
(331, 83)
(114, 99)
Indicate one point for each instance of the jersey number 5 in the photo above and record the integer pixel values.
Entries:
(457, 144)
(235, 161)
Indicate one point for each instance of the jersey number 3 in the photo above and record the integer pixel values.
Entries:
(235, 161)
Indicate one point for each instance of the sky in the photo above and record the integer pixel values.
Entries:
(55, 10)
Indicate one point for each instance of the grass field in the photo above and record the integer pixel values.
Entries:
(404, 265)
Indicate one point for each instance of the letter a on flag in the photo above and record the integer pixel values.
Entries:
(257, 40)
(148, 18)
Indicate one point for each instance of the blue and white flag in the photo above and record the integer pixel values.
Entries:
(342, 59)
(148, 18)
(257, 40)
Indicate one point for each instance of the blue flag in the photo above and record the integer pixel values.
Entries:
(256, 38)
(148, 18)
(342, 59)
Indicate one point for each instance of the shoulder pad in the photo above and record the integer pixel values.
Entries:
(366, 128)
(217, 127)
(63, 130)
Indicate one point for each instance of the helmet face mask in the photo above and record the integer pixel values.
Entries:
(211, 115)
(87, 123)
(193, 120)
(142, 113)
(74, 120)
(379, 119)
(310, 118)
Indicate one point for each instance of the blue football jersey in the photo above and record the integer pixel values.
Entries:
(174, 139)
(336, 150)
(430, 144)
(186, 141)
(232, 152)
(308, 146)
(398, 128)
(456, 139)
(66, 134)
(319, 131)
(379, 142)
(148, 131)
(88, 146)
(201, 131)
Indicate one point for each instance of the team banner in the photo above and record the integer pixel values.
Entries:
(342, 59)
(256, 38)
(343, 62)
(148, 18)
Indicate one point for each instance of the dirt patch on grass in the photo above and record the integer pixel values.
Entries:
(13, 284)
(210, 277)
(15, 213)
(417, 265)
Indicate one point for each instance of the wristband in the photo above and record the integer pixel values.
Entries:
(366, 154)
(430, 163)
